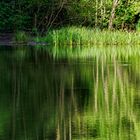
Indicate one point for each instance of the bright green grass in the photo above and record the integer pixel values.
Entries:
(72, 36)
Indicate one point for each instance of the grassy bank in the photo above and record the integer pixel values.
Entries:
(20, 37)
(71, 36)
(85, 36)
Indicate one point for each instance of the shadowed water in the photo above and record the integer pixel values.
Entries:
(47, 95)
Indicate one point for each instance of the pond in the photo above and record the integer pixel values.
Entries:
(69, 94)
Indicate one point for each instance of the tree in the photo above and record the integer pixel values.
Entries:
(114, 6)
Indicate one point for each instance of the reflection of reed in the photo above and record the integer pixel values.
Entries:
(14, 106)
(114, 84)
(16, 77)
(105, 86)
(105, 110)
(96, 87)
(58, 132)
(60, 113)
(113, 110)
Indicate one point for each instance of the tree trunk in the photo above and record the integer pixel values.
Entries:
(96, 14)
(114, 6)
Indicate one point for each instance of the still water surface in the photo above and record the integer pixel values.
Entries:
(47, 97)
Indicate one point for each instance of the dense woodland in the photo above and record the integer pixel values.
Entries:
(41, 15)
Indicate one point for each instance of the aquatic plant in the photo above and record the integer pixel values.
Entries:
(20, 37)
(72, 36)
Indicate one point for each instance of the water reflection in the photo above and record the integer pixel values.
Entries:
(43, 98)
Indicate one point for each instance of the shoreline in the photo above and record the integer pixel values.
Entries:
(6, 40)
(71, 37)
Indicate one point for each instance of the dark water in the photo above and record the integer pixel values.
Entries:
(47, 97)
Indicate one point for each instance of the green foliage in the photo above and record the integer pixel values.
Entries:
(45, 14)
(12, 17)
(86, 36)
(20, 37)
(138, 26)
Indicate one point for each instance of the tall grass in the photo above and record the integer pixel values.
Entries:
(20, 37)
(87, 36)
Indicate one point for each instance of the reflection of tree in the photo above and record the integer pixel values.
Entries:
(65, 99)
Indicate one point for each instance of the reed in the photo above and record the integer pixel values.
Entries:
(71, 36)
(20, 37)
